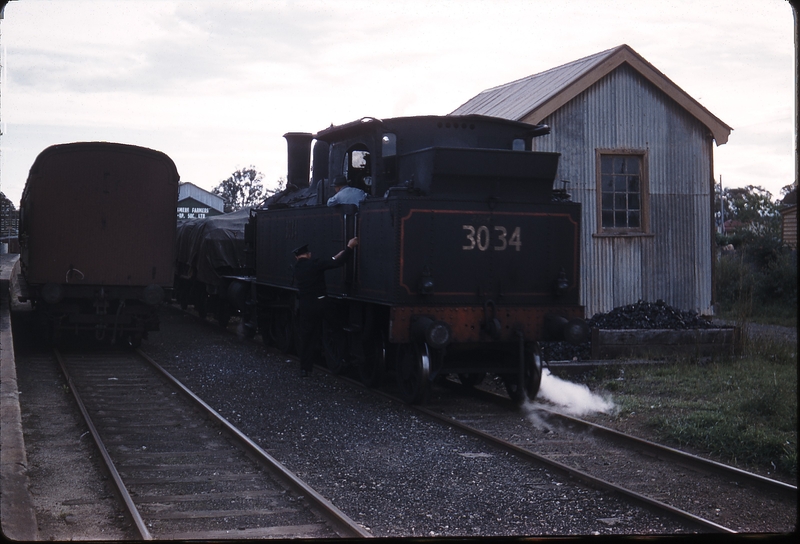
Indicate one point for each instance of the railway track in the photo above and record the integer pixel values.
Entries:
(646, 473)
(711, 507)
(182, 471)
(643, 471)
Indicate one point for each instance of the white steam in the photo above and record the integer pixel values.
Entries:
(574, 399)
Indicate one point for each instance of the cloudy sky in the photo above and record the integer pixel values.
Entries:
(215, 84)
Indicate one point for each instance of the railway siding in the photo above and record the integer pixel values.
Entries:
(195, 482)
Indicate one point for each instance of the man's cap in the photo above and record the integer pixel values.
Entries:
(301, 250)
(339, 181)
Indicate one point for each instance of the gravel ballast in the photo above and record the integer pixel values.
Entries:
(392, 471)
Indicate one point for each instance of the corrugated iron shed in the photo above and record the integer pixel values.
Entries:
(190, 190)
(614, 103)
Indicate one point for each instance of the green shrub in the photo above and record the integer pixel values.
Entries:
(758, 281)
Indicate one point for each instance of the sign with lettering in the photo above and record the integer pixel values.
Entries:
(190, 208)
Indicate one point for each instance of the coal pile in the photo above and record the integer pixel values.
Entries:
(642, 315)
(649, 315)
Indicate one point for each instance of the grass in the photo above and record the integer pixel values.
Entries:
(772, 314)
(742, 409)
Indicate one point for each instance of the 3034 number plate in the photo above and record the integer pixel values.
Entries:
(497, 238)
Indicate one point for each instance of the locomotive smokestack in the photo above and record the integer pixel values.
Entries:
(319, 168)
(299, 158)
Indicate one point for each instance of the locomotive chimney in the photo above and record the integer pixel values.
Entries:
(299, 159)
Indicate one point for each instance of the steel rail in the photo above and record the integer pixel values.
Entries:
(575, 473)
(659, 451)
(529, 456)
(693, 461)
(345, 526)
(130, 507)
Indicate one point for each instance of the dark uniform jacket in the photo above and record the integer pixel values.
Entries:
(309, 276)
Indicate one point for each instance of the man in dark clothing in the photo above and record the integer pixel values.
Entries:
(309, 275)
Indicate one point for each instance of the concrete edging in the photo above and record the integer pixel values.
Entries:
(17, 513)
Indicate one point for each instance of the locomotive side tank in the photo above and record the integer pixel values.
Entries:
(466, 258)
(97, 224)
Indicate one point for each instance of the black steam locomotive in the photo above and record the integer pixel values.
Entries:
(467, 255)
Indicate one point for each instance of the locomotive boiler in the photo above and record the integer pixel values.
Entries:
(97, 224)
(467, 256)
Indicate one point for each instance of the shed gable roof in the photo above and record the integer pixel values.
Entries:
(190, 190)
(533, 98)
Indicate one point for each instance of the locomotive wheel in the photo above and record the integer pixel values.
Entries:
(473, 379)
(279, 332)
(413, 373)
(334, 344)
(372, 359)
(532, 378)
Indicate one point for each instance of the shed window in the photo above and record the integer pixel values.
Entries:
(621, 193)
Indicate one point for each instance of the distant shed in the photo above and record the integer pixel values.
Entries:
(637, 152)
(197, 203)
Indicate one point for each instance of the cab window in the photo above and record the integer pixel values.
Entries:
(357, 167)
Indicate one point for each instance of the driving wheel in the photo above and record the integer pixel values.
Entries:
(372, 359)
(335, 346)
(527, 387)
(279, 331)
(413, 372)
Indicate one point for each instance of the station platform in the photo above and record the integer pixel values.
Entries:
(17, 513)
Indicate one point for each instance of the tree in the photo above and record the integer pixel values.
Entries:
(242, 189)
(760, 277)
(750, 206)
(8, 214)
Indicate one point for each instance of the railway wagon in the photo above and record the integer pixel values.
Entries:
(97, 225)
(208, 250)
(467, 256)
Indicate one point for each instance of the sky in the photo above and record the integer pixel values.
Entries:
(215, 85)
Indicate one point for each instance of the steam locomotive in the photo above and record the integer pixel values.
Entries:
(467, 256)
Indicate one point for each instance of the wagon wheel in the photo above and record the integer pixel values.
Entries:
(246, 329)
(52, 332)
(223, 312)
(532, 377)
(472, 379)
(201, 305)
(372, 358)
(335, 346)
(413, 373)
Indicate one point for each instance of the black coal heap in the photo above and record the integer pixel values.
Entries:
(649, 315)
(642, 315)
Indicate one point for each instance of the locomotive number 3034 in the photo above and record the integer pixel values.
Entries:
(498, 239)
